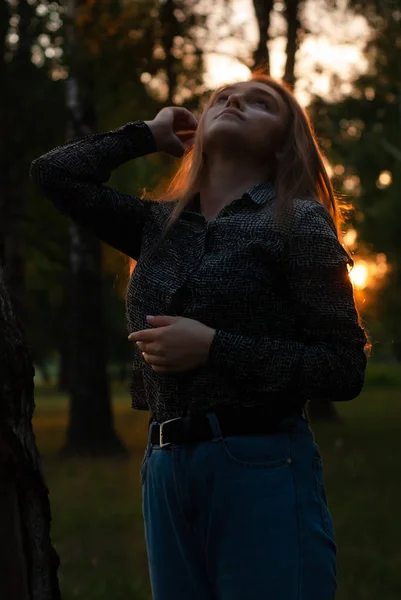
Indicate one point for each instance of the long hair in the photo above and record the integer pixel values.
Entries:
(299, 172)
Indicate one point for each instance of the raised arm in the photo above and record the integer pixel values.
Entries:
(72, 177)
(327, 360)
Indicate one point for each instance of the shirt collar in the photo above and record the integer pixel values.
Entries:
(260, 194)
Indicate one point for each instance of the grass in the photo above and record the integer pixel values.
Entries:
(97, 524)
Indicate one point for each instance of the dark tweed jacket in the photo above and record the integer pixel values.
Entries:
(279, 297)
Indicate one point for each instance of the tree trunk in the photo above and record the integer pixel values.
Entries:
(13, 572)
(169, 23)
(293, 28)
(261, 56)
(90, 429)
(64, 373)
(64, 348)
(28, 562)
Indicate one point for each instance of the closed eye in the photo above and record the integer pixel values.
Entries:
(261, 101)
(266, 102)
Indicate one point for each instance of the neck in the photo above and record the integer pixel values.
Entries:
(224, 179)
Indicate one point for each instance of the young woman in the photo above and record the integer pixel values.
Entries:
(241, 309)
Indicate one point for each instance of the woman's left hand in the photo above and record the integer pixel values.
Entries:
(175, 344)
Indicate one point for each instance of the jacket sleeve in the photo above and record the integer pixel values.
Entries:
(327, 360)
(72, 177)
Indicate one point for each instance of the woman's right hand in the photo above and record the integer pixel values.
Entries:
(174, 130)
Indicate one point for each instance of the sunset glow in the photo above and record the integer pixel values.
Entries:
(369, 272)
(321, 55)
(369, 269)
(359, 275)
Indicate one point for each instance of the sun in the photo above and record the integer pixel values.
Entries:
(360, 275)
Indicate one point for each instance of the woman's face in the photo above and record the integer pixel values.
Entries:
(246, 118)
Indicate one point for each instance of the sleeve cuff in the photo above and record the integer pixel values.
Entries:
(142, 137)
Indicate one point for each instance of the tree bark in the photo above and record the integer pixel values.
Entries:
(90, 428)
(169, 23)
(293, 28)
(13, 575)
(64, 372)
(64, 346)
(261, 56)
(28, 561)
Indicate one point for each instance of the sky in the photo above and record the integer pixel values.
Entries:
(334, 45)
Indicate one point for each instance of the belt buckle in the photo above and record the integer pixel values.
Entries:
(163, 444)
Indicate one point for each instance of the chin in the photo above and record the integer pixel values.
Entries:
(227, 130)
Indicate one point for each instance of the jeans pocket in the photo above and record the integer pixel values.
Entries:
(327, 521)
(258, 451)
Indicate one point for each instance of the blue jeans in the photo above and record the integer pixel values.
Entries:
(239, 518)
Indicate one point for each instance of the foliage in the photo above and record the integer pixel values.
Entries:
(362, 136)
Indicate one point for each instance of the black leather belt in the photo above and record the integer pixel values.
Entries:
(192, 428)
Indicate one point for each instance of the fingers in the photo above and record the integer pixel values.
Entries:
(153, 354)
(157, 361)
(146, 335)
(184, 119)
(160, 364)
(186, 137)
(185, 134)
(154, 349)
(164, 370)
(187, 144)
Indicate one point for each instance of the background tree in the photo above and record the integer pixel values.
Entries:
(364, 130)
(21, 118)
(292, 16)
(90, 428)
(261, 55)
(28, 562)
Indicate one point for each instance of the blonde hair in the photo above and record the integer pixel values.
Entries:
(300, 172)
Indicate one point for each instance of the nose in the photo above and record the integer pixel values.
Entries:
(234, 100)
